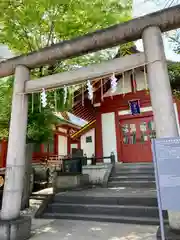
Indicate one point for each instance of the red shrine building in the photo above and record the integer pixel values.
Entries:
(62, 143)
(119, 122)
(59, 147)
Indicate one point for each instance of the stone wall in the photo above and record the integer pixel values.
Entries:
(98, 174)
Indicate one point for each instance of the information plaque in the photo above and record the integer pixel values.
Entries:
(166, 157)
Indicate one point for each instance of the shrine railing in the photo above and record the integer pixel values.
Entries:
(75, 164)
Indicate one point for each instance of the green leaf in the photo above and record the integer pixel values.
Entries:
(29, 25)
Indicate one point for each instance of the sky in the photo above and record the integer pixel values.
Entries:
(143, 7)
(4, 52)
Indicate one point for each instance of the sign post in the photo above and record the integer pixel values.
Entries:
(158, 190)
(166, 158)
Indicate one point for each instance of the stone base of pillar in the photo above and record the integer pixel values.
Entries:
(19, 229)
(170, 234)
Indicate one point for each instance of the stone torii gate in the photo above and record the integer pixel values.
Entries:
(149, 28)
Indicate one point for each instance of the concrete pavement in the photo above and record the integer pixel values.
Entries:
(81, 230)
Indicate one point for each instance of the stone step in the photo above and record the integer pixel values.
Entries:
(132, 184)
(134, 197)
(113, 210)
(136, 170)
(132, 177)
(133, 172)
(123, 205)
(104, 218)
(134, 166)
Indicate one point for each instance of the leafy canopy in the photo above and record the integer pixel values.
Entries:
(175, 40)
(29, 25)
(174, 68)
(37, 23)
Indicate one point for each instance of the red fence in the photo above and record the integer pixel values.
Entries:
(3, 153)
(38, 157)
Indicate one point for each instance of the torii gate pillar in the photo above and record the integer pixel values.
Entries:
(12, 226)
(160, 92)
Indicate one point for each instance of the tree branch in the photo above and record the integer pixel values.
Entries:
(27, 38)
(41, 71)
(50, 33)
(36, 40)
(25, 35)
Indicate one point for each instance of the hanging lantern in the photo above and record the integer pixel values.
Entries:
(113, 83)
(43, 98)
(90, 90)
(65, 94)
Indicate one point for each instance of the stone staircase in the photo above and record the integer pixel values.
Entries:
(140, 175)
(129, 198)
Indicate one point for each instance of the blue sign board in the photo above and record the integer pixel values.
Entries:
(134, 107)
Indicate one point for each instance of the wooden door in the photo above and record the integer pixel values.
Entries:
(136, 137)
